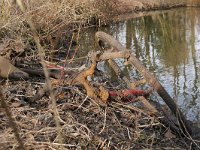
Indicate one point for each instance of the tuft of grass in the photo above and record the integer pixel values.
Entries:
(5, 10)
(48, 16)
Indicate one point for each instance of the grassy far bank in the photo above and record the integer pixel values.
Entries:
(83, 123)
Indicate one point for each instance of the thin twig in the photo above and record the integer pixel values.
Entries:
(46, 73)
(11, 120)
(104, 124)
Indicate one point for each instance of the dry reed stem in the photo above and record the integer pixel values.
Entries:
(47, 14)
(48, 82)
(11, 121)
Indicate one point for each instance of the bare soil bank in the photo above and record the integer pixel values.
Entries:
(124, 6)
(124, 9)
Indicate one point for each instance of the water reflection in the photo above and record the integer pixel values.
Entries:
(169, 46)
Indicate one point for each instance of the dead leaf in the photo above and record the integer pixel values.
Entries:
(169, 134)
(103, 94)
(15, 104)
(30, 136)
(18, 46)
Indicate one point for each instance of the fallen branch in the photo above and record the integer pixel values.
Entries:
(40, 72)
(103, 37)
(11, 121)
(81, 78)
(148, 105)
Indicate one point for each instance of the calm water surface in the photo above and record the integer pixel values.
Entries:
(168, 44)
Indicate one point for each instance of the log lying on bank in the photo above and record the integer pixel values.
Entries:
(7, 70)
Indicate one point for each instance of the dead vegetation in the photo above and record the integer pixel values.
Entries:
(83, 123)
(54, 21)
(47, 15)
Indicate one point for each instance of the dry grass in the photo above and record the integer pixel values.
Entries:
(47, 13)
(51, 18)
(83, 124)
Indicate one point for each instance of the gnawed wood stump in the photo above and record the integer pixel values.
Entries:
(7, 70)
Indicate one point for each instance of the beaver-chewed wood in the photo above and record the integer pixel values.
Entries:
(7, 70)
(102, 37)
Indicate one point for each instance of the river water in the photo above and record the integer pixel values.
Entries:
(168, 44)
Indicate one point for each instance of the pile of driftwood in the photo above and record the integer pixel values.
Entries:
(115, 50)
(110, 49)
